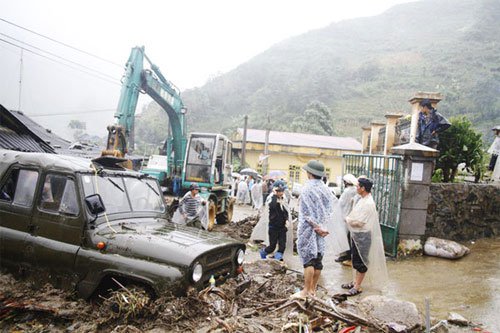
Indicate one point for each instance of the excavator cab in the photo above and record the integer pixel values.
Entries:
(208, 163)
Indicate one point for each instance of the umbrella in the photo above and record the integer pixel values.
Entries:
(235, 175)
(277, 174)
(249, 172)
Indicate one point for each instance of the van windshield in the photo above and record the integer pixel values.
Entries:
(125, 194)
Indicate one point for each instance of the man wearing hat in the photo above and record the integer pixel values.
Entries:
(367, 248)
(315, 210)
(495, 151)
(430, 124)
(189, 206)
(278, 214)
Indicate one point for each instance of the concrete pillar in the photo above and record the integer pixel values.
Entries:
(390, 131)
(375, 128)
(418, 164)
(365, 139)
(434, 97)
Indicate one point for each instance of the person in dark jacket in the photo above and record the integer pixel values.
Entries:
(278, 216)
(430, 124)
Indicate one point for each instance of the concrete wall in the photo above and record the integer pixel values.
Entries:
(463, 211)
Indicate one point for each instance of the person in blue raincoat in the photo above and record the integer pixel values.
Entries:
(316, 209)
(430, 124)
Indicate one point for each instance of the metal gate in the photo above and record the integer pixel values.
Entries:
(387, 175)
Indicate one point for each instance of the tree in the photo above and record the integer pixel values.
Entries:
(460, 144)
(317, 119)
(151, 128)
(78, 128)
(77, 124)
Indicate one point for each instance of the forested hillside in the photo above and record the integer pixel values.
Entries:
(336, 79)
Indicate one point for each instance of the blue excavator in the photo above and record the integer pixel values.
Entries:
(198, 158)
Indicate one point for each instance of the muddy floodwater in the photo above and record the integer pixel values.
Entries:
(469, 286)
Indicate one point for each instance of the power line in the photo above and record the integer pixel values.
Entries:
(72, 113)
(61, 43)
(60, 63)
(55, 55)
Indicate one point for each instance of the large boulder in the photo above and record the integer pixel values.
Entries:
(400, 316)
(443, 248)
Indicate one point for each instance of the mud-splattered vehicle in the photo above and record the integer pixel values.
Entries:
(80, 225)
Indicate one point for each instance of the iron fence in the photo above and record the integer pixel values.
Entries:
(386, 171)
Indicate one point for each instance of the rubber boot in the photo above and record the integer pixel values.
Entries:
(263, 254)
(278, 256)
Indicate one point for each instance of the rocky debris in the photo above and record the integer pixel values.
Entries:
(256, 301)
(400, 316)
(444, 248)
(410, 248)
(239, 230)
(457, 319)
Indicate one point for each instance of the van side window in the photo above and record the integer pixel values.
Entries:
(20, 187)
(59, 195)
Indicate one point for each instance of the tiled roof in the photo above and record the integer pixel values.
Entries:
(302, 140)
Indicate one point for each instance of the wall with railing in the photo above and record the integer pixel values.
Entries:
(464, 211)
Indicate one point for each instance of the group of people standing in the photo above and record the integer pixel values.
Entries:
(324, 223)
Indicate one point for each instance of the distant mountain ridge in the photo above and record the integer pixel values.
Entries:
(364, 68)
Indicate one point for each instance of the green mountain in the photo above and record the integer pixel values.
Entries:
(363, 68)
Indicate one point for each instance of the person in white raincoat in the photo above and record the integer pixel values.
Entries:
(495, 151)
(256, 193)
(346, 201)
(368, 255)
(261, 231)
(243, 195)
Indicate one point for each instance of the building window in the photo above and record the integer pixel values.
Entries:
(294, 173)
(259, 169)
(328, 172)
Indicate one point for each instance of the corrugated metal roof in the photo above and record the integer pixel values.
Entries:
(45, 134)
(14, 135)
(20, 142)
(19, 132)
(302, 140)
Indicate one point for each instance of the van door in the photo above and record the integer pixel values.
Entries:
(58, 226)
(17, 196)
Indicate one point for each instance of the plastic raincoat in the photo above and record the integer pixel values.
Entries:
(257, 197)
(365, 232)
(316, 206)
(243, 195)
(430, 126)
(202, 215)
(337, 241)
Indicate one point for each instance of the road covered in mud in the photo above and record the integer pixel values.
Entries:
(257, 301)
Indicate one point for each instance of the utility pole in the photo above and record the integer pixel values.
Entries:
(20, 80)
(266, 146)
(244, 142)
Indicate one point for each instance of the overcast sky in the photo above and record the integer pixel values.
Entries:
(190, 40)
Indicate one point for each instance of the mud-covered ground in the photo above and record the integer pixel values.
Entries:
(256, 301)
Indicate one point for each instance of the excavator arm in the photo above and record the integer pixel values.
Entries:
(152, 82)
